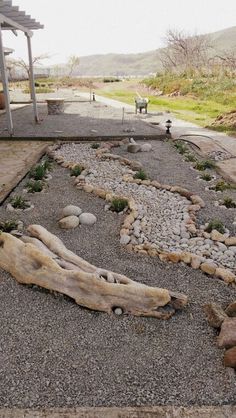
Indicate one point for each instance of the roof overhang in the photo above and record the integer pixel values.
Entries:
(11, 18)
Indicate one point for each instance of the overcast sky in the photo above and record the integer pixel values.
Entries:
(85, 27)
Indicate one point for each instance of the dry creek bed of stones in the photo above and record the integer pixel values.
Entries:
(54, 353)
(162, 215)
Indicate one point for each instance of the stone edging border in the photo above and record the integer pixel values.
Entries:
(138, 412)
(196, 203)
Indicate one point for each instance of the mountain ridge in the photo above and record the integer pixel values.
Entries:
(144, 63)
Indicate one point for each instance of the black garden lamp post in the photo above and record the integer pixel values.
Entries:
(168, 126)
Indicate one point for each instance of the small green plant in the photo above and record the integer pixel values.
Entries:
(95, 145)
(215, 224)
(47, 163)
(76, 170)
(8, 226)
(181, 148)
(229, 202)
(141, 175)
(206, 177)
(222, 185)
(191, 158)
(35, 186)
(203, 165)
(38, 172)
(19, 202)
(119, 204)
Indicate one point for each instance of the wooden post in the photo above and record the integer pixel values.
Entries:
(5, 85)
(31, 75)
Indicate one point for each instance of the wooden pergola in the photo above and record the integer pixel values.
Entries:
(11, 18)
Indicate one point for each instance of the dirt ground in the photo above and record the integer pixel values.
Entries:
(54, 353)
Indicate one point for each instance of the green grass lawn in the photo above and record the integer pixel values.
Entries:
(199, 111)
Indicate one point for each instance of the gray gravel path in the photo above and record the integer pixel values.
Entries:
(54, 353)
(80, 118)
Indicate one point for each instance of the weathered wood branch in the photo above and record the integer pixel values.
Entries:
(44, 261)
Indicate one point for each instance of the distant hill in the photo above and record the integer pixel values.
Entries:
(144, 63)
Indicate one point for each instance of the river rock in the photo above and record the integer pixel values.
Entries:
(225, 275)
(125, 239)
(231, 241)
(231, 309)
(215, 314)
(217, 236)
(69, 222)
(227, 337)
(230, 358)
(197, 200)
(87, 219)
(196, 261)
(208, 267)
(71, 210)
(146, 148)
(133, 148)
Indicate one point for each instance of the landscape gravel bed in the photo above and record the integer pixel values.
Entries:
(162, 215)
(54, 353)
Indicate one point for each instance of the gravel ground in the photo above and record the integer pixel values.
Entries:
(54, 353)
(79, 119)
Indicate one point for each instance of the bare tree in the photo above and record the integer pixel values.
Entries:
(72, 64)
(228, 60)
(183, 52)
(24, 65)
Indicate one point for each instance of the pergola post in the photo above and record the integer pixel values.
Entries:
(5, 85)
(31, 76)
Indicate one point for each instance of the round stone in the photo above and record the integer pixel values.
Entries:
(125, 239)
(87, 219)
(71, 210)
(69, 222)
(146, 148)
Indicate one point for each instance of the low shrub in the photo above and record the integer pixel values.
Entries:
(203, 165)
(19, 202)
(141, 175)
(222, 185)
(39, 90)
(119, 204)
(76, 170)
(191, 158)
(206, 177)
(38, 172)
(35, 186)
(8, 226)
(47, 163)
(229, 202)
(215, 224)
(181, 148)
(95, 145)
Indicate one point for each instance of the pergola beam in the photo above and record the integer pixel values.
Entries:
(12, 24)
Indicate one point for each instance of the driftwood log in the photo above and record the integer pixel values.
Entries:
(43, 260)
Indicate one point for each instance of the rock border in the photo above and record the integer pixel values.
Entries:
(196, 203)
